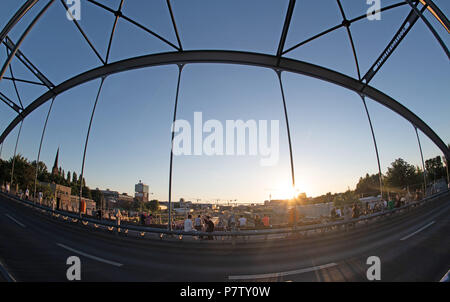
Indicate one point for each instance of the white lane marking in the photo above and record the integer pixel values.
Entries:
(89, 256)
(280, 274)
(12, 218)
(419, 230)
(7, 275)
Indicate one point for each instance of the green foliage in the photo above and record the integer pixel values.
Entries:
(98, 197)
(347, 198)
(74, 177)
(46, 191)
(401, 174)
(24, 172)
(435, 168)
(153, 205)
(369, 185)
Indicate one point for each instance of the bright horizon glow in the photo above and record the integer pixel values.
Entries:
(287, 191)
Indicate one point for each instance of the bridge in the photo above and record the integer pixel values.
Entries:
(401, 238)
(411, 242)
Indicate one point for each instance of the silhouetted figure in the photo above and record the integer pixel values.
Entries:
(209, 227)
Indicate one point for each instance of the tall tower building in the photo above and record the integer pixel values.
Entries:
(55, 169)
(141, 191)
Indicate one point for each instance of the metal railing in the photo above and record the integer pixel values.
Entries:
(142, 230)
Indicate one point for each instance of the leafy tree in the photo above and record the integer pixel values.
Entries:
(98, 197)
(74, 177)
(347, 198)
(86, 193)
(153, 205)
(401, 174)
(435, 168)
(5, 171)
(46, 191)
(24, 172)
(369, 185)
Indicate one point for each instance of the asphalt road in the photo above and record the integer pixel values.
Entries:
(413, 246)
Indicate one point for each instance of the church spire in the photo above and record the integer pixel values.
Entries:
(55, 170)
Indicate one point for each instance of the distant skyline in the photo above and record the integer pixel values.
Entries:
(130, 135)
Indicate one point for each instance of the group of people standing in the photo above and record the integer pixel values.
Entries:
(205, 224)
(199, 224)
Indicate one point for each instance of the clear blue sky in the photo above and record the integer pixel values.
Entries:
(130, 138)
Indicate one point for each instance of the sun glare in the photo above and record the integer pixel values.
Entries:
(287, 191)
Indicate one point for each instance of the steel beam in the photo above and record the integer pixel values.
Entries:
(278, 72)
(180, 69)
(30, 66)
(404, 29)
(174, 24)
(16, 18)
(87, 141)
(40, 146)
(361, 17)
(22, 38)
(423, 162)
(240, 58)
(430, 27)
(287, 22)
(438, 14)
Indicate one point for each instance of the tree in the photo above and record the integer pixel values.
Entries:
(74, 177)
(98, 197)
(68, 177)
(369, 185)
(347, 198)
(153, 205)
(435, 168)
(86, 193)
(24, 172)
(46, 191)
(5, 171)
(401, 174)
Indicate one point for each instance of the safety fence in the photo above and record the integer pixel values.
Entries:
(142, 231)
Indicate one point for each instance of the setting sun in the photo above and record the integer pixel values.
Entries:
(287, 191)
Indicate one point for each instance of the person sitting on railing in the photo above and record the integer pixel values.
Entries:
(355, 211)
(265, 220)
(242, 221)
(209, 227)
(188, 224)
(258, 222)
(338, 213)
(232, 223)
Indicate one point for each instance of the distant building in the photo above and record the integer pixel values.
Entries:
(275, 202)
(124, 197)
(62, 195)
(55, 169)
(67, 202)
(110, 196)
(141, 192)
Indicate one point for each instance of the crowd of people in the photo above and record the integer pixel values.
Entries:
(355, 211)
(206, 224)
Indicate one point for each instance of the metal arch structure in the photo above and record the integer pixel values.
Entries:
(181, 57)
(239, 58)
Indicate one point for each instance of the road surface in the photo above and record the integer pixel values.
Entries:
(414, 246)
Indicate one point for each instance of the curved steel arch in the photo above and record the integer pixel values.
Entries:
(239, 58)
